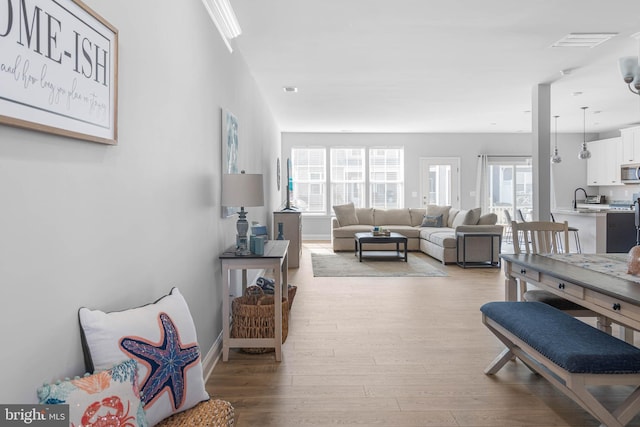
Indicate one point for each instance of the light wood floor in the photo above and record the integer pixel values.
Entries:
(395, 352)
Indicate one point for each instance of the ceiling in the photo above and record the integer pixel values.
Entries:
(437, 66)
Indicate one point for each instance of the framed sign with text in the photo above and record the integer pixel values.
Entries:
(58, 69)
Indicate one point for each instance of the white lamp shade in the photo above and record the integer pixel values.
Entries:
(242, 189)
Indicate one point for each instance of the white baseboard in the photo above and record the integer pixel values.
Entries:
(211, 358)
(316, 237)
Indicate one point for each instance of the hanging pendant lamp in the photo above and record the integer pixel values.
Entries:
(584, 153)
(556, 157)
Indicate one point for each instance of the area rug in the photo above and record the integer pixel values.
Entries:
(346, 264)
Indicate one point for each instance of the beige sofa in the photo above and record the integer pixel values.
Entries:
(431, 230)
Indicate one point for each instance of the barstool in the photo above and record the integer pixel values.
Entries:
(576, 236)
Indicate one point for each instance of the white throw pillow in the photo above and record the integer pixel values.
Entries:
(152, 335)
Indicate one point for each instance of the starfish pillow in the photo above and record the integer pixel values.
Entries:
(161, 337)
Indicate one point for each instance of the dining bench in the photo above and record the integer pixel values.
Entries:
(571, 354)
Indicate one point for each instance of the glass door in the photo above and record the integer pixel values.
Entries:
(439, 181)
(510, 187)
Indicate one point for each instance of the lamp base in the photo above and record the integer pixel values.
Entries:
(242, 226)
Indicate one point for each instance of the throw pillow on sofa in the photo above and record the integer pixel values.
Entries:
(435, 210)
(432, 221)
(346, 214)
(467, 217)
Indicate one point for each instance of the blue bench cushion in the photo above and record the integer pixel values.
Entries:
(568, 342)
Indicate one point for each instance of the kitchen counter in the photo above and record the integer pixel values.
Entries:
(601, 229)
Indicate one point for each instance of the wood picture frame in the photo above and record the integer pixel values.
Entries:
(59, 69)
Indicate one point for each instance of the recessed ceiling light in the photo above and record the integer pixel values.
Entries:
(290, 89)
(583, 39)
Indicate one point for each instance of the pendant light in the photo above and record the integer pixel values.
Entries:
(584, 154)
(556, 157)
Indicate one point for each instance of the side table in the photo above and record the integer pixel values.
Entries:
(275, 258)
(488, 258)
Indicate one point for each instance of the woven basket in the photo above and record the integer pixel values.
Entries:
(210, 413)
(292, 294)
(253, 316)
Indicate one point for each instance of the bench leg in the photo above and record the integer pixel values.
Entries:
(499, 362)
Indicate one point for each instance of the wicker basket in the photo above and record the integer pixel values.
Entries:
(210, 413)
(253, 316)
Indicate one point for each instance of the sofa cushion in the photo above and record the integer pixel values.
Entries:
(435, 210)
(444, 237)
(365, 216)
(346, 214)
(432, 221)
(453, 212)
(460, 218)
(466, 217)
(488, 219)
(406, 230)
(417, 214)
(386, 217)
(474, 216)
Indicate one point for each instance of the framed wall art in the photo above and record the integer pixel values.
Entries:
(59, 69)
(229, 152)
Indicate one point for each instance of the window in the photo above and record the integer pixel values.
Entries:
(386, 178)
(347, 176)
(309, 179)
(373, 177)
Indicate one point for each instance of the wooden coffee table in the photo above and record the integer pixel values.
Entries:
(367, 238)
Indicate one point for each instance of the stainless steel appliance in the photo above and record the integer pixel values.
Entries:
(630, 174)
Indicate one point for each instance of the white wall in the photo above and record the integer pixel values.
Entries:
(85, 224)
(569, 174)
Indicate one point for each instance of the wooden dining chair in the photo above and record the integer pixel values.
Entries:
(547, 237)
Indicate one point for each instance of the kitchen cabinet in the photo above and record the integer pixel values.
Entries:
(630, 145)
(603, 168)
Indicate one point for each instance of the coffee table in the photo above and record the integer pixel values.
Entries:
(367, 238)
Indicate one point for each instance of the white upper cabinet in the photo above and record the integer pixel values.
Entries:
(603, 168)
(630, 145)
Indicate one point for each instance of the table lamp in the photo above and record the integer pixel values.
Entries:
(242, 189)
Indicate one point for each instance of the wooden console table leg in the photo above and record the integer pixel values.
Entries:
(225, 313)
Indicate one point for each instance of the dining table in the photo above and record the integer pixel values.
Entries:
(599, 282)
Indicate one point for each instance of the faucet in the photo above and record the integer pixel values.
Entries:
(575, 202)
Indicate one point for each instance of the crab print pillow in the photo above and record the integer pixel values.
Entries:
(161, 337)
(109, 397)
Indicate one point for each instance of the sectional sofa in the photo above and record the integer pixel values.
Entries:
(431, 230)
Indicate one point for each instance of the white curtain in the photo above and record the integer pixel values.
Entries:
(482, 183)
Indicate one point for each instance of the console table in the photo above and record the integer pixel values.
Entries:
(274, 258)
